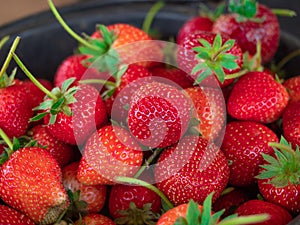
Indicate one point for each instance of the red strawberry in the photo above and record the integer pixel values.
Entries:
(203, 54)
(293, 87)
(210, 110)
(158, 115)
(179, 77)
(62, 152)
(109, 152)
(93, 196)
(88, 112)
(263, 26)
(279, 177)
(10, 216)
(185, 171)
(277, 214)
(134, 204)
(194, 24)
(242, 145)
(31, 182)
(291, 123)
(257, 97)
(95, 219)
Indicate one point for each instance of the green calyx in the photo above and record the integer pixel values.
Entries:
(195, 216)
(64, 96)
(246, 9)
(136, 216)
(284, 168)
(253, 63)
(213, 59)
(205, 11)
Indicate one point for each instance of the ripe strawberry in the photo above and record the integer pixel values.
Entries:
(185, 171)
(279, 178)
(293, 87)
(256, 96)
(158, 115)
(31, 182)
(93, 196)
(94, 219)
(203, 54)
(242, 145)
(179, 77)
(210, 110)
(62, 152)
(10, 216)
(134, 204)
(263, 26)
(291, 123)
(194, 24)
(109, 152)
(230, 200)
(277, 214)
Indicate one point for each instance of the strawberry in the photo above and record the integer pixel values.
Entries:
(93, 196)
(277, 214)
(134, 204)
(242, 145)
(185, 171)
(31, 182)
(193, 25)
(210, 110)
(10, 216)
(179, 77)
(158, 115)
(62, 152)
(292, 85)
(203, 54)
(94, 219)
(230, 200)
(291, 123)
(278, 181)
(194, 214)
(259, 24)
(256, 96)
(109, 152)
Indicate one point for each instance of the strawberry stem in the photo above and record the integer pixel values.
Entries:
(6, 139)
(284, 12)
(150, 16)
(9, 56)
(236, 75)
(259, 218)
(98, 81)
(130, 180)
(3, 41)
(32, 78)
(286, 59)
(68, 29)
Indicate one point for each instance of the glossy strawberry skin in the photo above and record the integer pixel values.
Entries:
(194, 24)
(186, 57)
(10, 216)
(15, 110)
(293, 87)
(169, 217)
(291, 123)
(89, 112)
(186, 171)
(256, 96)
(62, 152)
(277, 214)
(95, 219)
(94, 195)
(121, 195)
(242, 145)
(248, 32)
(31, 182)
(109, 152)
(158, 115)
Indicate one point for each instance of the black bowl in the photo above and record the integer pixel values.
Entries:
(44, 43)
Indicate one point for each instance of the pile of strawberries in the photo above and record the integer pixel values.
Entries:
(134, 130)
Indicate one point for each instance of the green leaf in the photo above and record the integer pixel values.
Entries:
(38, 117)
(16, 144)
(284, 141)
(205, 43)
(106, 34)
(44, 105)
(229, 45)
(217, 41)
(52, 119)
(270, 159)
(230, 65)
(193, 213)
(67, 83)
(4, 157)
(266, 174)
(206, 211)
(216, 217)
(218, 70)
(181, 221)
(203, 75)
(199, 67)
(245, 8)
(57, 105)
